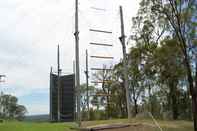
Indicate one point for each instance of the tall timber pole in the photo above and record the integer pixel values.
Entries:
(122, 40)
(77, 64)
(87, 85)
(58, 82)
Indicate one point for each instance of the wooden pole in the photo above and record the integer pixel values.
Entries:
(58, 83)
(50, 96)
(122, 40)
(77, 65)
(87, 85)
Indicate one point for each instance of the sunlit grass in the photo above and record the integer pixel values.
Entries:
(31, 126)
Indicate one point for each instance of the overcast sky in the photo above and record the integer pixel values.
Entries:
(31, 30)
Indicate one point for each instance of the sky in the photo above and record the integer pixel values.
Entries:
(31, 30)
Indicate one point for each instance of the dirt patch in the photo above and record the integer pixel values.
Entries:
(136, 127)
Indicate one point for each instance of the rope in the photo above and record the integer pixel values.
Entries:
(156, 123)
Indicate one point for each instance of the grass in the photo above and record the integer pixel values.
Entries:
(44, 126)
(33, 126)
(165, 125)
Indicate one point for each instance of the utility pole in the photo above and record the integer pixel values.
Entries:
(87, 85)
(122, 40)
(58, 83)
(76, 34)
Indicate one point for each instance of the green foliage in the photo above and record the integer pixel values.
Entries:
(97, 114)
(10, 109)
(160, 62)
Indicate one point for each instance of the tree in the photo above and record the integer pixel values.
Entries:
(180, 18)
(10, 109)
(104, 78)
(170, 70)
(118, 92)
(136, 76)
(83, 88)
(20, 112)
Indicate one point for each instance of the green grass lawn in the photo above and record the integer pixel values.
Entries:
(33, 126)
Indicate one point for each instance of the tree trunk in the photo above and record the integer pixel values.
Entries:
(173, 98)
(135, 107)
(150, 104)
(192, 92)
(194, 108)
(108, 105)
(174, 107)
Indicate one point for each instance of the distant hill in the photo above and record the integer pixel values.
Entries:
(37, 118)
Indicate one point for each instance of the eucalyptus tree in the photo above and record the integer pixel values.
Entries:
(170, 69)
(10, 109)
(181, 20)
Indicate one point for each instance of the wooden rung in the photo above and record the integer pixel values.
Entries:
(101, 31)
(95, 8)
(110, 103)
(96, 82)
(99, 69)
(102, 95)
(102, 57)
(93, 43)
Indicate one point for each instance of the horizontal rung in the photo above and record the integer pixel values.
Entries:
(99, 69)
(100, 81)
(102, 31)
(95, 8)
(102, 95)
(103, 103)
(102, 57)
(93, 43)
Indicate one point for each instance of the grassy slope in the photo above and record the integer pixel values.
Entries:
(25, 126)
